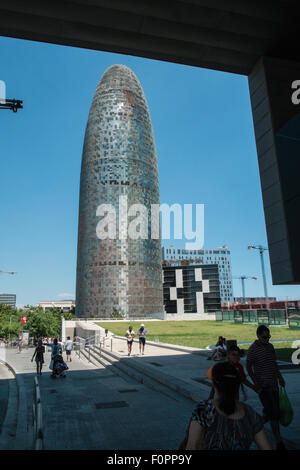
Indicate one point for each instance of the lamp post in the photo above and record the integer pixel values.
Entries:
(10, 327)
(261, 252)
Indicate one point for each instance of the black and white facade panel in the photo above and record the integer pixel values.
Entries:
(191, 289)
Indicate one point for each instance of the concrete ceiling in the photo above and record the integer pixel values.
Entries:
(228, 35)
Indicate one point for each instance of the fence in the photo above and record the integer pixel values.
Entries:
(294, 319)
(261, 317)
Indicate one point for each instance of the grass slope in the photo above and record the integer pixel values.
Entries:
(199, 334)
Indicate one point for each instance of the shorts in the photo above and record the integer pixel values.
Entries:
(269, 398)
(68, 352)
(142, 340)
(39, 359)
(129, 342)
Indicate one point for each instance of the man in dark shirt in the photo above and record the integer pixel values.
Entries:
(263, 369)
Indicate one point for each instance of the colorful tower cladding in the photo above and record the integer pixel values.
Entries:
(120, 269)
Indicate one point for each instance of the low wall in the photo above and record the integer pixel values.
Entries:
(181, 316)
(190, 316)
(83, 329)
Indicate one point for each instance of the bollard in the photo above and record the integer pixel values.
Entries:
(111, 344)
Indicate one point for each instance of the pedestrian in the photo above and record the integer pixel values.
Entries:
(142, 338)
(61, 344)
(233, 357)
(69, 346)
(263, 369)
(55, 349)
(39, 357)
(219, 350)
(225, 423)
(129, 335)
(20, 344)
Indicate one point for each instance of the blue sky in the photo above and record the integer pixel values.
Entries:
(206, 155)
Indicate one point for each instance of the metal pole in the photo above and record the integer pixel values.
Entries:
(261, 251)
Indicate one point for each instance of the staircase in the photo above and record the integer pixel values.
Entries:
(143, 373)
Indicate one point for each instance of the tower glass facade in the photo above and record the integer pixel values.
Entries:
(119, 167)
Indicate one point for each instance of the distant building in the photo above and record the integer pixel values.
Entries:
(191, 288)
(261, 305)
(240, 300)
(8, 299)
(219, 256)
(64, 305)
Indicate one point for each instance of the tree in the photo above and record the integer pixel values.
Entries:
(117, 313)
(43, 324)
(10, 321)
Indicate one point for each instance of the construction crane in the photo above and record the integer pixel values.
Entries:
(14, 105)
(242, 278)
(261, 252)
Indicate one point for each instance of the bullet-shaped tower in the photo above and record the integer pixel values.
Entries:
(118, 271)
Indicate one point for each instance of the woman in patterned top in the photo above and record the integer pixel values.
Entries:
(225, 423)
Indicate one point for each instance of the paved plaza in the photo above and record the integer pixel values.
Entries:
(99, 407)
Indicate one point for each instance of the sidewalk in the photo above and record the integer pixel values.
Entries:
(97, 408)
(190, 368)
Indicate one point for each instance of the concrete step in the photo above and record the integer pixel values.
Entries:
(147, 374)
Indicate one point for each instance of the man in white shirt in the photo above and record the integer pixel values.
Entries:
(69, 345)
(129, 335)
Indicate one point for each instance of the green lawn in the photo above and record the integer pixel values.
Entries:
(199, 334)
(283, 351)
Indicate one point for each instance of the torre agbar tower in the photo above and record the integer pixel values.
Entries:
(119, 164)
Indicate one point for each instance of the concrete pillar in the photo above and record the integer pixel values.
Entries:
(275, 105)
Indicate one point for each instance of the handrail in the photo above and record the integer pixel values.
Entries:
(93, 340)
(37, 416)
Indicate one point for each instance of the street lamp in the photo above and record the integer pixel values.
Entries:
(261, 252)
(10, 327)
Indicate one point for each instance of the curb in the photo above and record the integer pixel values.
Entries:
(21, 433)
(9, 426)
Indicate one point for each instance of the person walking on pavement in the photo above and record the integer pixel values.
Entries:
(55, 349)
(142, 338)
(39, 357)
(20, 344)
(225, 423)
(69, 345)
(263, 369)
(129, 335)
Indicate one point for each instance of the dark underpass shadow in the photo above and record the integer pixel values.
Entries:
(98, 409)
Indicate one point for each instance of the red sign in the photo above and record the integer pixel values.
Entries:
(23, 320)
